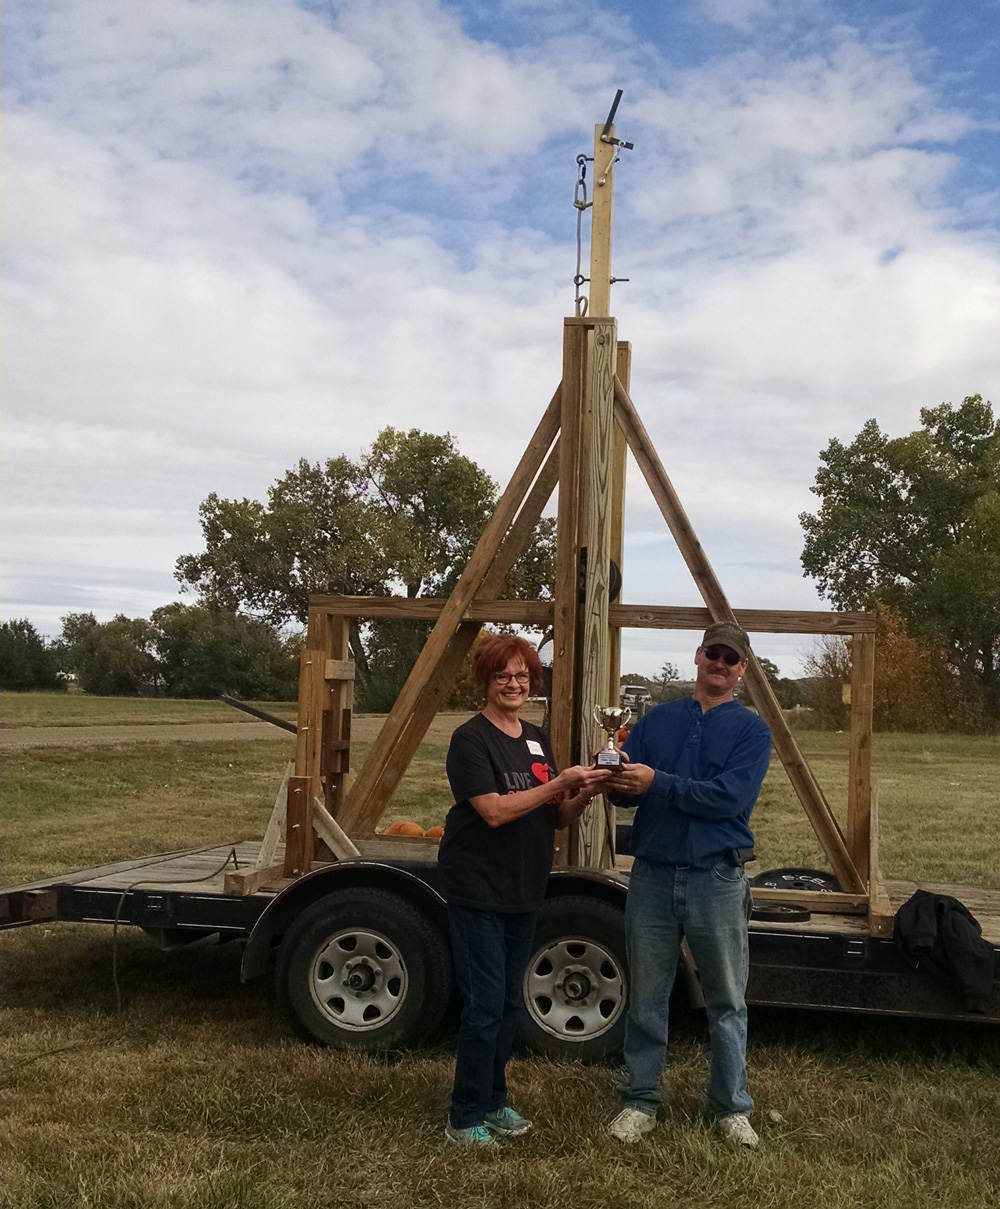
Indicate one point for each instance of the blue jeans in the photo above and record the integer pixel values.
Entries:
(710, 908)
(491, 952)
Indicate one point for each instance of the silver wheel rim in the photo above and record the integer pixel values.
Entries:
(574, 989)
(358, 980)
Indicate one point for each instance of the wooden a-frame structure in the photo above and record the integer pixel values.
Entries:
(580, 445)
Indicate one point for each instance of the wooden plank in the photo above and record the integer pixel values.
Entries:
(595, 829)
(755, 621)
(314, 696)
(339, 669)
(835, 902)
(407, 721)
(568, 525)
(337, 755)
(247, 881)
(275, 829)
(860, 754)
(536, 613)
(540, 613)
(599, 295)
(299, 831)
(619, 458)
(339, 843)
(806, 787)
(880, 910)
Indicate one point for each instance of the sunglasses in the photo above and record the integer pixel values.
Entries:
(730, 658)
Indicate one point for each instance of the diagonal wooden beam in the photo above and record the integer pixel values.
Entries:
(503, 540)
(804, 783)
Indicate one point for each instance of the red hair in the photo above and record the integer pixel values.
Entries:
(492, 655)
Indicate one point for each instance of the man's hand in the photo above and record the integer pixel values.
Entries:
(631, 779)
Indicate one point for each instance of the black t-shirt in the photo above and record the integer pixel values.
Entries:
(503, 868)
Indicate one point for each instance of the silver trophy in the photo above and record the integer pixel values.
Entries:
(612, 718)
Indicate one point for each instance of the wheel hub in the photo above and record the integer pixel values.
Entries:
(575, 986)
(360, 976)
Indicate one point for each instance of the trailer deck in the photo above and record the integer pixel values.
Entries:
(829, 961)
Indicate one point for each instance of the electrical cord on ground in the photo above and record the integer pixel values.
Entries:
(115, 1035)
(143, 881)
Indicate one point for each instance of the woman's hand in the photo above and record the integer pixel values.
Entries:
(581, 778)
(582, 783)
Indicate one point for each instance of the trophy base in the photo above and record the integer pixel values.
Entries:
(609, 759)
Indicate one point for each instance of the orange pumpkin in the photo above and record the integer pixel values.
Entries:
(405, 827)
(434, 833)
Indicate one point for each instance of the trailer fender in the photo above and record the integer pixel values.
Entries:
(591, 883)
(301, 894)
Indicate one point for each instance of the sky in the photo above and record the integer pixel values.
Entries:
(242, 232)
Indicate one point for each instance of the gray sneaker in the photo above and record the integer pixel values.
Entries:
(738, 1130)
(475, 1135)
(507, 1122)
(631, 1124)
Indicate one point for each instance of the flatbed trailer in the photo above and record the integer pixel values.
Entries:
(380, 974)
(357, 919)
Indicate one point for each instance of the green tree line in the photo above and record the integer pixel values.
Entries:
(910, 527)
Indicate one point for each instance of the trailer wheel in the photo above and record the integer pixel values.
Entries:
(364, 969)
(576, 983)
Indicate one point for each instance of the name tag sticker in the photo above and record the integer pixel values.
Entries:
(535, 747)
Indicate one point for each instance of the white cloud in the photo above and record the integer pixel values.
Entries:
(220, 260)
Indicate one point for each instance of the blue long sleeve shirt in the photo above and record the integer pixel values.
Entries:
(708, 770)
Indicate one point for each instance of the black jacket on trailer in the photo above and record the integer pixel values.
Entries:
(940, 936)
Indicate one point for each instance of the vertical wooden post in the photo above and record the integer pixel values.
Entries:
(299, 831)
(340, 681)
(568, 523)
(860, 765)
(596, 845)
(599, 303)
(313, 700)
(619, 453)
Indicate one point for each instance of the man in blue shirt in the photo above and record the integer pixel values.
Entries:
(695, 767)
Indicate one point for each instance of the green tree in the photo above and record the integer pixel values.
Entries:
(915, 522)
(203, 652)
(787, 691)
(113, 658)
(406, 515)
(26, 661)
(665, 685)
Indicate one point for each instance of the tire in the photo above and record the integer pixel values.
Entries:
(364, 969)
(576, 983)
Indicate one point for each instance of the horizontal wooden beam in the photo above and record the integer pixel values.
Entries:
(539, 613)
(755, 621)
(829, 902)
(429, 608)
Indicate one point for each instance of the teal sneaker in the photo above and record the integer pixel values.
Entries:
(475, 1135)
(507, 1122)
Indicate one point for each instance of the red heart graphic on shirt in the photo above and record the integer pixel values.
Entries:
(541, 772)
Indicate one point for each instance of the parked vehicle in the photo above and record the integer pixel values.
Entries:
(635, 697)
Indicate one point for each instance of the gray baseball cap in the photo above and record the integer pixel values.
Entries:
(728, 633)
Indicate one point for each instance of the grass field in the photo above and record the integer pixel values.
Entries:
(197, 1096)
(77, 709)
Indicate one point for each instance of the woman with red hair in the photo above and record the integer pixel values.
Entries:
(494, 860)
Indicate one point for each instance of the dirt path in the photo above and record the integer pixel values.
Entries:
(364, 730)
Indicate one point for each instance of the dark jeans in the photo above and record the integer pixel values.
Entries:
(491, 952)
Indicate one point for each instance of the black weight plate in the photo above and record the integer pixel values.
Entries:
(796, 879)
(779, 913)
